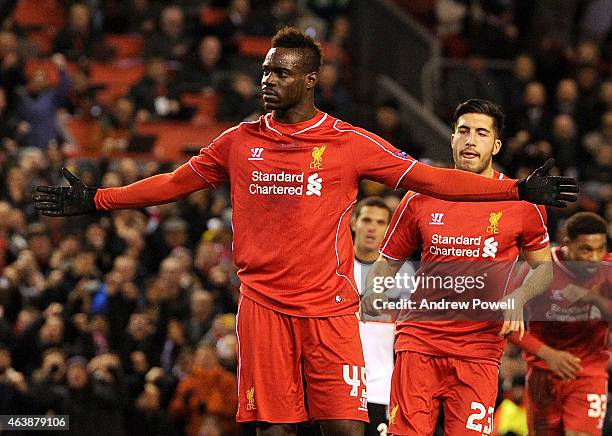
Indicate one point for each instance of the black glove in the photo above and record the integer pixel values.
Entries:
(75, 199)
(541, 188)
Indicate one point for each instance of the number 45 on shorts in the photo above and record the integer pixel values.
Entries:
(481, 412)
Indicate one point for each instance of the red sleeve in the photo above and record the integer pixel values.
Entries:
(402, 237)
(529, 343)
(376, 159)
(207, 169)
(456, 185)
(158, 189)
(535, 232)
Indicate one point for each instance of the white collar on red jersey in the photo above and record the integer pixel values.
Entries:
(296, 128)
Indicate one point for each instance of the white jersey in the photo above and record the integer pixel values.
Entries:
(377, 339)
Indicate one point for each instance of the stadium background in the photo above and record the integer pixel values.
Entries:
(126, 320)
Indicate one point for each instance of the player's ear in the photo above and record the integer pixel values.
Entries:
(497, 146)
(312, 79)
(352, 223)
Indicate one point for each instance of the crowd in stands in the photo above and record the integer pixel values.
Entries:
(125, 320)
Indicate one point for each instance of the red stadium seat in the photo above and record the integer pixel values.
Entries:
(211, 17)
(80, 132)
(258, 46)
(39, 14)
(125, 46)
(207, 105)
(117, 77)
(175, 136)
(43, 40)
(254, 46)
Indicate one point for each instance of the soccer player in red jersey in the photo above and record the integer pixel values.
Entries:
(566, 344)
(294, 175)
(451, 358)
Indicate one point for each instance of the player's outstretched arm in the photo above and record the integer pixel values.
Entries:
(457, 185)
(78, 199)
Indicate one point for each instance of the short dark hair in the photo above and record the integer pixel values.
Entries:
(290, 37)
(480, 106)
(372, 202)
(585, 223)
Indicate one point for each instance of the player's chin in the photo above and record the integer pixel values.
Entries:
(271, 104)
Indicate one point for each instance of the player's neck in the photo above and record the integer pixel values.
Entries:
(365, 256)
(295, 115)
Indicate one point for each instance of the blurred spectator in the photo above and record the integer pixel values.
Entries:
(14, 390)
(202, 72)
(201, 314)
(291, 13)
(596, 20)
(171, 41)
(173, 344)
(207, 390)
(48, 382)
(77, 39)
(389, 126)
(331, 95)
(131, 16)
(238, 23)
(113, 131)
(535, 117)
(156, 95)
(39, 102)
(93, 399)
(564, 140)
(587, 78)
(9, 123)
(147, 417)
(601, 137)
(47, 331)
(470, 80)
(11, 66)
(523, 72)
(566, 98)
(496, 34)
(241, 101)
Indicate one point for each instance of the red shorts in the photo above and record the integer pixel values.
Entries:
(422, 382)
(293, 369)
(555, 406)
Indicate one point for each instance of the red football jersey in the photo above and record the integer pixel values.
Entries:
(575, 328)
(293, 187)
(458, 239)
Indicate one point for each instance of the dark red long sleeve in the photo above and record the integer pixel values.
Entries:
(158, 189)
(456, 185)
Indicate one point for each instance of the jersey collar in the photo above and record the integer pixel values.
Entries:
(296, 128)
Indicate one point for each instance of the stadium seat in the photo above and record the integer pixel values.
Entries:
(117, 79)
(175, 137)
(207, 105)
(211, 17)
(79, 131)
(38, 15)
(258, 46)
(125, 46)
